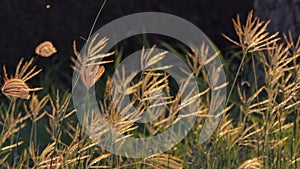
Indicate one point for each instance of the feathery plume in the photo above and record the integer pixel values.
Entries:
(16, 87)
(253, 36)
(89, 69)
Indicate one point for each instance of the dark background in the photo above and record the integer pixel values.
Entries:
(25, 24)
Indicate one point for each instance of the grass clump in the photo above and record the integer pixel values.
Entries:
(259, 128)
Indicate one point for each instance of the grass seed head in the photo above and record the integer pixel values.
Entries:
(253, 36)
(45, 49)
(16, 87)
(89, 68)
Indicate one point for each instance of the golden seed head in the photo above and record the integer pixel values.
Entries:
(253, 36)
(92, 74)
(45, 49)
(88, 66)
(15, 88)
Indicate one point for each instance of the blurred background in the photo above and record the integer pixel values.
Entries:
(25, 24)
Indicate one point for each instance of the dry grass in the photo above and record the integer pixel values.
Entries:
(259, 129)
(15, 86)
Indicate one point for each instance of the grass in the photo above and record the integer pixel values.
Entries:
(260, 127)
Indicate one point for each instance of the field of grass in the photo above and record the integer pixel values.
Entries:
(260, 126)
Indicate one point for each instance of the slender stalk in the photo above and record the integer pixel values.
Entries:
(85, 119)
(169, 160)
(295, 139)
(35, 136)
(2, 132)
(16, 149)
(96, 19)
(236, 75)
(58, 133)
(255, 75)
(257, 98)
(33, 133)
(77, 152)
(11, 106)
(279, 146)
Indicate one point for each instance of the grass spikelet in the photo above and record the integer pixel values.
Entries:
(16, 87)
